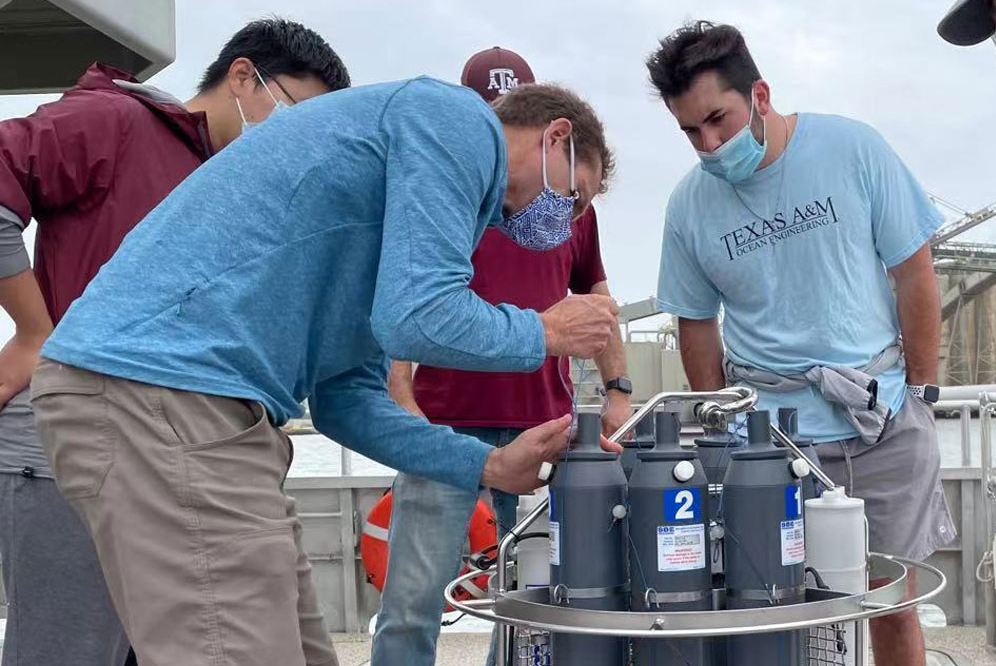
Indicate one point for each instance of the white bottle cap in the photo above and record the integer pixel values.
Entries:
(800, 468)
(683, 471)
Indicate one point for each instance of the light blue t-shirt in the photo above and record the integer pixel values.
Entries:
(797, 256)
(287, 265)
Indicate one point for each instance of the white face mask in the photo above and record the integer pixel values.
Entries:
(278, 105)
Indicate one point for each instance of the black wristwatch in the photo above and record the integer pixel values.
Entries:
(926, 392)
(621, 384)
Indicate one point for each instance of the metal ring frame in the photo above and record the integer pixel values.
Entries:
(532, 608)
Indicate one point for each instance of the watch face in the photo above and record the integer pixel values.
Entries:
(931, 393)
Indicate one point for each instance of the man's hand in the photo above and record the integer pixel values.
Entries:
(18, 359)
(615, 411)
(514, 468)
(580, 325)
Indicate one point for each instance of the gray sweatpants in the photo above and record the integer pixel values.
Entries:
(59, 611)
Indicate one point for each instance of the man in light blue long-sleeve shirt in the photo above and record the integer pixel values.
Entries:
(290, 266)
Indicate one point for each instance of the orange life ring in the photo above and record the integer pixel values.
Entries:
(373, 545)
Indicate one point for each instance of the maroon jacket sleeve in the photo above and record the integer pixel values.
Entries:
(62, 153)
(586, 265)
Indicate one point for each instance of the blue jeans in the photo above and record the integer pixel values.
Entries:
(429, 523)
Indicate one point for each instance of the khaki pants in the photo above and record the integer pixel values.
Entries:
(182, 494)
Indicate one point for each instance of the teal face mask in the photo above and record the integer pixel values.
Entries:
(739, 157)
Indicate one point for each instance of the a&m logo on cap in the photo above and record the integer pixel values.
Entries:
(502, 80)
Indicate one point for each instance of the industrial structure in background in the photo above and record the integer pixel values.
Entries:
(966, 272)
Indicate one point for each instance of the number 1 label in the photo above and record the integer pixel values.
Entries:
(793, 501)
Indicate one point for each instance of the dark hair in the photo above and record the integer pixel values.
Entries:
(278, 46)
(537, 105)
(702, 47)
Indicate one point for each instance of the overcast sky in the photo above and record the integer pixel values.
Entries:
(881, 62)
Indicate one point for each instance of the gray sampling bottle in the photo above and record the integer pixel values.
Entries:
(765, 544)
(587, 548)
(788, 423)
(643, 438)
(669, 555)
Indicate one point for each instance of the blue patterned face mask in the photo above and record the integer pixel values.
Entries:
(546, 222)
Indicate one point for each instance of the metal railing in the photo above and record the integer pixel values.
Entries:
(987, 407)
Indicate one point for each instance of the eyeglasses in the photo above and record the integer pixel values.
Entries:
(270, 77)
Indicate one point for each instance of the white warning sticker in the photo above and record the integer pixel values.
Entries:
(681, 547)
(793, 542)
(554, 544)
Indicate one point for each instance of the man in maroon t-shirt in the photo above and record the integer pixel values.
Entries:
(87, 168)
(494, 407)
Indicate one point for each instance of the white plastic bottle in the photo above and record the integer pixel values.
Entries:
(837, 547)
(533, 555)
(532, 648)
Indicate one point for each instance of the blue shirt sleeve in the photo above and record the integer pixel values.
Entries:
(356, 411)
(445, 181)
(683, 288)
(902, 216)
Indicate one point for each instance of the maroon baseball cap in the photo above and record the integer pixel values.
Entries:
(494, 72)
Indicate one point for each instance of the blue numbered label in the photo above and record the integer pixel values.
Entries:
(683, 505)
(793, 501)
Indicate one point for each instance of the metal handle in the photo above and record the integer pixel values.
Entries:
(814, 469)
(716, 407)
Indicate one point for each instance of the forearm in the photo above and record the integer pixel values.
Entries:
(366, 420)
(22, 300)
(399, 382)
(401, 387)
(918, 305)
(702, 353)
(612, 362)
(457, 329)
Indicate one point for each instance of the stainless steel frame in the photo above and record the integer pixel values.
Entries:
(532, 608)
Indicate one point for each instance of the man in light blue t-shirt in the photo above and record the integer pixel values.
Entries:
(794, 225)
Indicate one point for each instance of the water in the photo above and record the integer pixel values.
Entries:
(315, 455)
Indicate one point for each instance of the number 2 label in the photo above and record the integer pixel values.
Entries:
(683, 505)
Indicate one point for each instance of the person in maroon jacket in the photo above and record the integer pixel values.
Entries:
(424, 554)
(88, 168)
